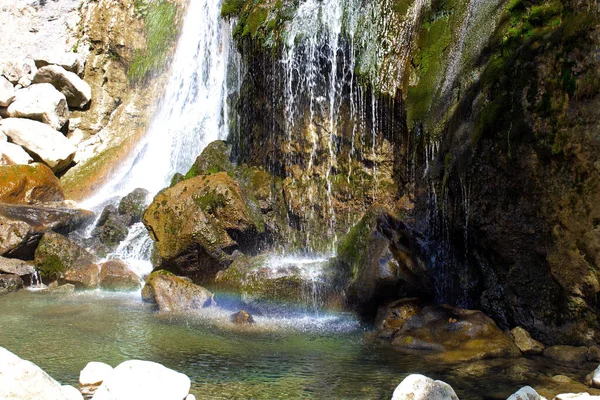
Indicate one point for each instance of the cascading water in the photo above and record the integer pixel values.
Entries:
(193, 112)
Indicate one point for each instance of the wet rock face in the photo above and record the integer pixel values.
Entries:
(29, 184)
(199, 222)
(443, 332)
(116, 275)
(10, 283)
(173, 293)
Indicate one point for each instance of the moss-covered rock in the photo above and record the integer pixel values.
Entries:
(172, 293)
(29, 184)
(132, 206)
(116, 275)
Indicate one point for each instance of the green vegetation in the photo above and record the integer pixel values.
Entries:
(51, 267)
(211, 201)
(160, 20)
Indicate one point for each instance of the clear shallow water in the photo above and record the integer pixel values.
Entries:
(329, 357)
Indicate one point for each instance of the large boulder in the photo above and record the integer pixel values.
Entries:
(132, 206)
(58, 257)
(146, 380)
(12, 154)
(525, 342)
(7, 92)
(16, 267)
(443, 332)
(419, 387)
(173, 293)
(77, 92)
(567, 354)
(10, 283)
(72, 62)
(116, 275)
(43, 142)
(199, 222)
(111, 229)
(380, 263)
(41, 102)
(29, 184)
(23, 380)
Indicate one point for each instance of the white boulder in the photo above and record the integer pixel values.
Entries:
(23, 380)
(40, 102)
(72, 62)
(14, 70)
(51, 146)
(596, 378)
(526, 393)
(70, 393)
(7, 92)
(146, 380)
(75, 89)
(94, 373)
(11, 154)
(419, 387)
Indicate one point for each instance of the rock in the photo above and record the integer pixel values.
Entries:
(450, 334)
(10, 283)
(40, 102)
(593, 354)
(133, 205)
(525, 343)
(21, 379)
(14, 70)
(199, 222)
(111, 228)
(16, 267)
(77, 92)
(58, 257)
(242, 318)
(116, 275)
(378, 263)
(567, 354)
(43, 142)
(190, 397)
(12, 154)
(72, 62)
(94, 373)
(62, 289)
(172, 293)
(576, 396)
(419, 387)
(29, 184)
(216, 157)
(7, 92)
(525, 393)
(71, 393)
(595, 381)
(143, 380)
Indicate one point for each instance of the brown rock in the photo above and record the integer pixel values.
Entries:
(172, 293)
(593, 354)
(86, 275)
(10, 282)
(567, 354)
(242, 318)
(525, 343)
(116, 275)
(29, 184)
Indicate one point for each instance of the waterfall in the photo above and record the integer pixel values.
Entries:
(192, 113)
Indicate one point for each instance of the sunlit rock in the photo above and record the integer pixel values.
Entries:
(173, 293)
(419, 387)
(77, 92)
(12, 154)
(16, 267)
(525, 343)
(526, 393)
(94, 373)
(7, 92)
(71, 393)
(72, 62)
(116, 275)
(10, 283)
(29, 184)
(40, 102)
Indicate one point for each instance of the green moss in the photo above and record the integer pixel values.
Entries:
(210, 202)
(231, 8)
(160, 21)
(51, 267)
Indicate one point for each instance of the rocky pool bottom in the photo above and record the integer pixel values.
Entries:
(320, 357)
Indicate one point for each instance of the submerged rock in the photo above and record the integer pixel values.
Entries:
(567, 354)
(143, 380)
(443, 332)
(242, 318)
(41, 102)
(525, 343)
(419, 387)
(173, 293)
(116, 275)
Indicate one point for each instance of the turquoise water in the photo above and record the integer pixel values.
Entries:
(327, 357)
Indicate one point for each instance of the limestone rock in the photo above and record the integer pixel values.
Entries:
(242, 318)
(525, 343)
(21, 379)
(72, 62)
(567, 354)
(526, 393)
(77, 92)
(15, 267)
(10, 283)
(16, 69)
(40, 102)
(116, 275)
(71, 393)
(199, 222)
(58, 257)
(94, 373)
(143, 380)
(448, 333)
(45, 143)
(419, 387)
(173, 293)
(29, 184)
(7, 92)
(12, 154)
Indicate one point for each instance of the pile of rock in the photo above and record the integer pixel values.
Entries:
(35, 97)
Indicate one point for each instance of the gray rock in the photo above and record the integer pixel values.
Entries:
(10, 283)
(40, 102)
(14, 70)
(77, 91)
(16, 267)
(525, 342)
(72, 62)
(419, 387)
(49, 145)
(526, 393)
(11, 154)
(7, 92)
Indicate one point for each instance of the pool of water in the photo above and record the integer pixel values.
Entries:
(325, 357)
